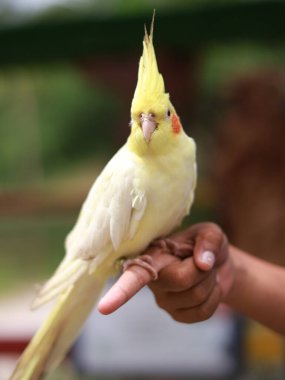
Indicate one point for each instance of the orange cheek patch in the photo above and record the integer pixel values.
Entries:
(176, 126)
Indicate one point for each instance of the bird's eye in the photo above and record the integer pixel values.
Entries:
(168, 113)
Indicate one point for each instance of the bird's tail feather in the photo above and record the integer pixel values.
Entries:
(51, 343)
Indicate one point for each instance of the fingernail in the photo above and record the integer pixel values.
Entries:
(217, 278)
(208, 258)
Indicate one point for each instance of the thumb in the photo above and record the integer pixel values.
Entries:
(211, 247)
(205, 259)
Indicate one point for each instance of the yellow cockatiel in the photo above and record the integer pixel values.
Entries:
(142, 194)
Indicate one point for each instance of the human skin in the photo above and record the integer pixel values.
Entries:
(210, 272)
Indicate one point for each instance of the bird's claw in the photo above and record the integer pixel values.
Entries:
(144, 261)
(181, 250)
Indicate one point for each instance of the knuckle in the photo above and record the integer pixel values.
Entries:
(206, 311)
(141, 277)
(213, 231)
(183, 280)
(212, 236)
(214, 228)
(199, 294)
(162, 302)
(180, 317)
(210, 226)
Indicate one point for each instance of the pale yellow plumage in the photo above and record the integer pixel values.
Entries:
(142, 194)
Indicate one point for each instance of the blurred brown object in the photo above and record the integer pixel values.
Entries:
(250, 165)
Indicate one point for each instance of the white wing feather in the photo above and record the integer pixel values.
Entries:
(108, 212)
(110, 215)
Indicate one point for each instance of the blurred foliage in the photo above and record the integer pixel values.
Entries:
(33, 248)
(224, 62)
(49, 118)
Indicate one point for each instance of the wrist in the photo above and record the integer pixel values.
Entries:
(234, 274)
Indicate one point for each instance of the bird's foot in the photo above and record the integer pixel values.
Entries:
(178, 249)
(144, 261)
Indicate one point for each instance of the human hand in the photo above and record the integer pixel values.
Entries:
(186, 288)
(191, 289)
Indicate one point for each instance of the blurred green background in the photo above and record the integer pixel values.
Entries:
(67, 72)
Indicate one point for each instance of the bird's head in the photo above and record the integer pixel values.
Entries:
(154, 122)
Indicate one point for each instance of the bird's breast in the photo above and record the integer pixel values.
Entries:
(168, 184)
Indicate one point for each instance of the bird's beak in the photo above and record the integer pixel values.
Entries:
(148, 125)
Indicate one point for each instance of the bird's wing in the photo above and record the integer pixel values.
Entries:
(112, 210)
(110, 215)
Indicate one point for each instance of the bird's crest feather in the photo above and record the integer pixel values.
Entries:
(150, 86)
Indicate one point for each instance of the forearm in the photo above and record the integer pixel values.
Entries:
(258, 290)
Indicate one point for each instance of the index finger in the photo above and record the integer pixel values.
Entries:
(131, 281)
